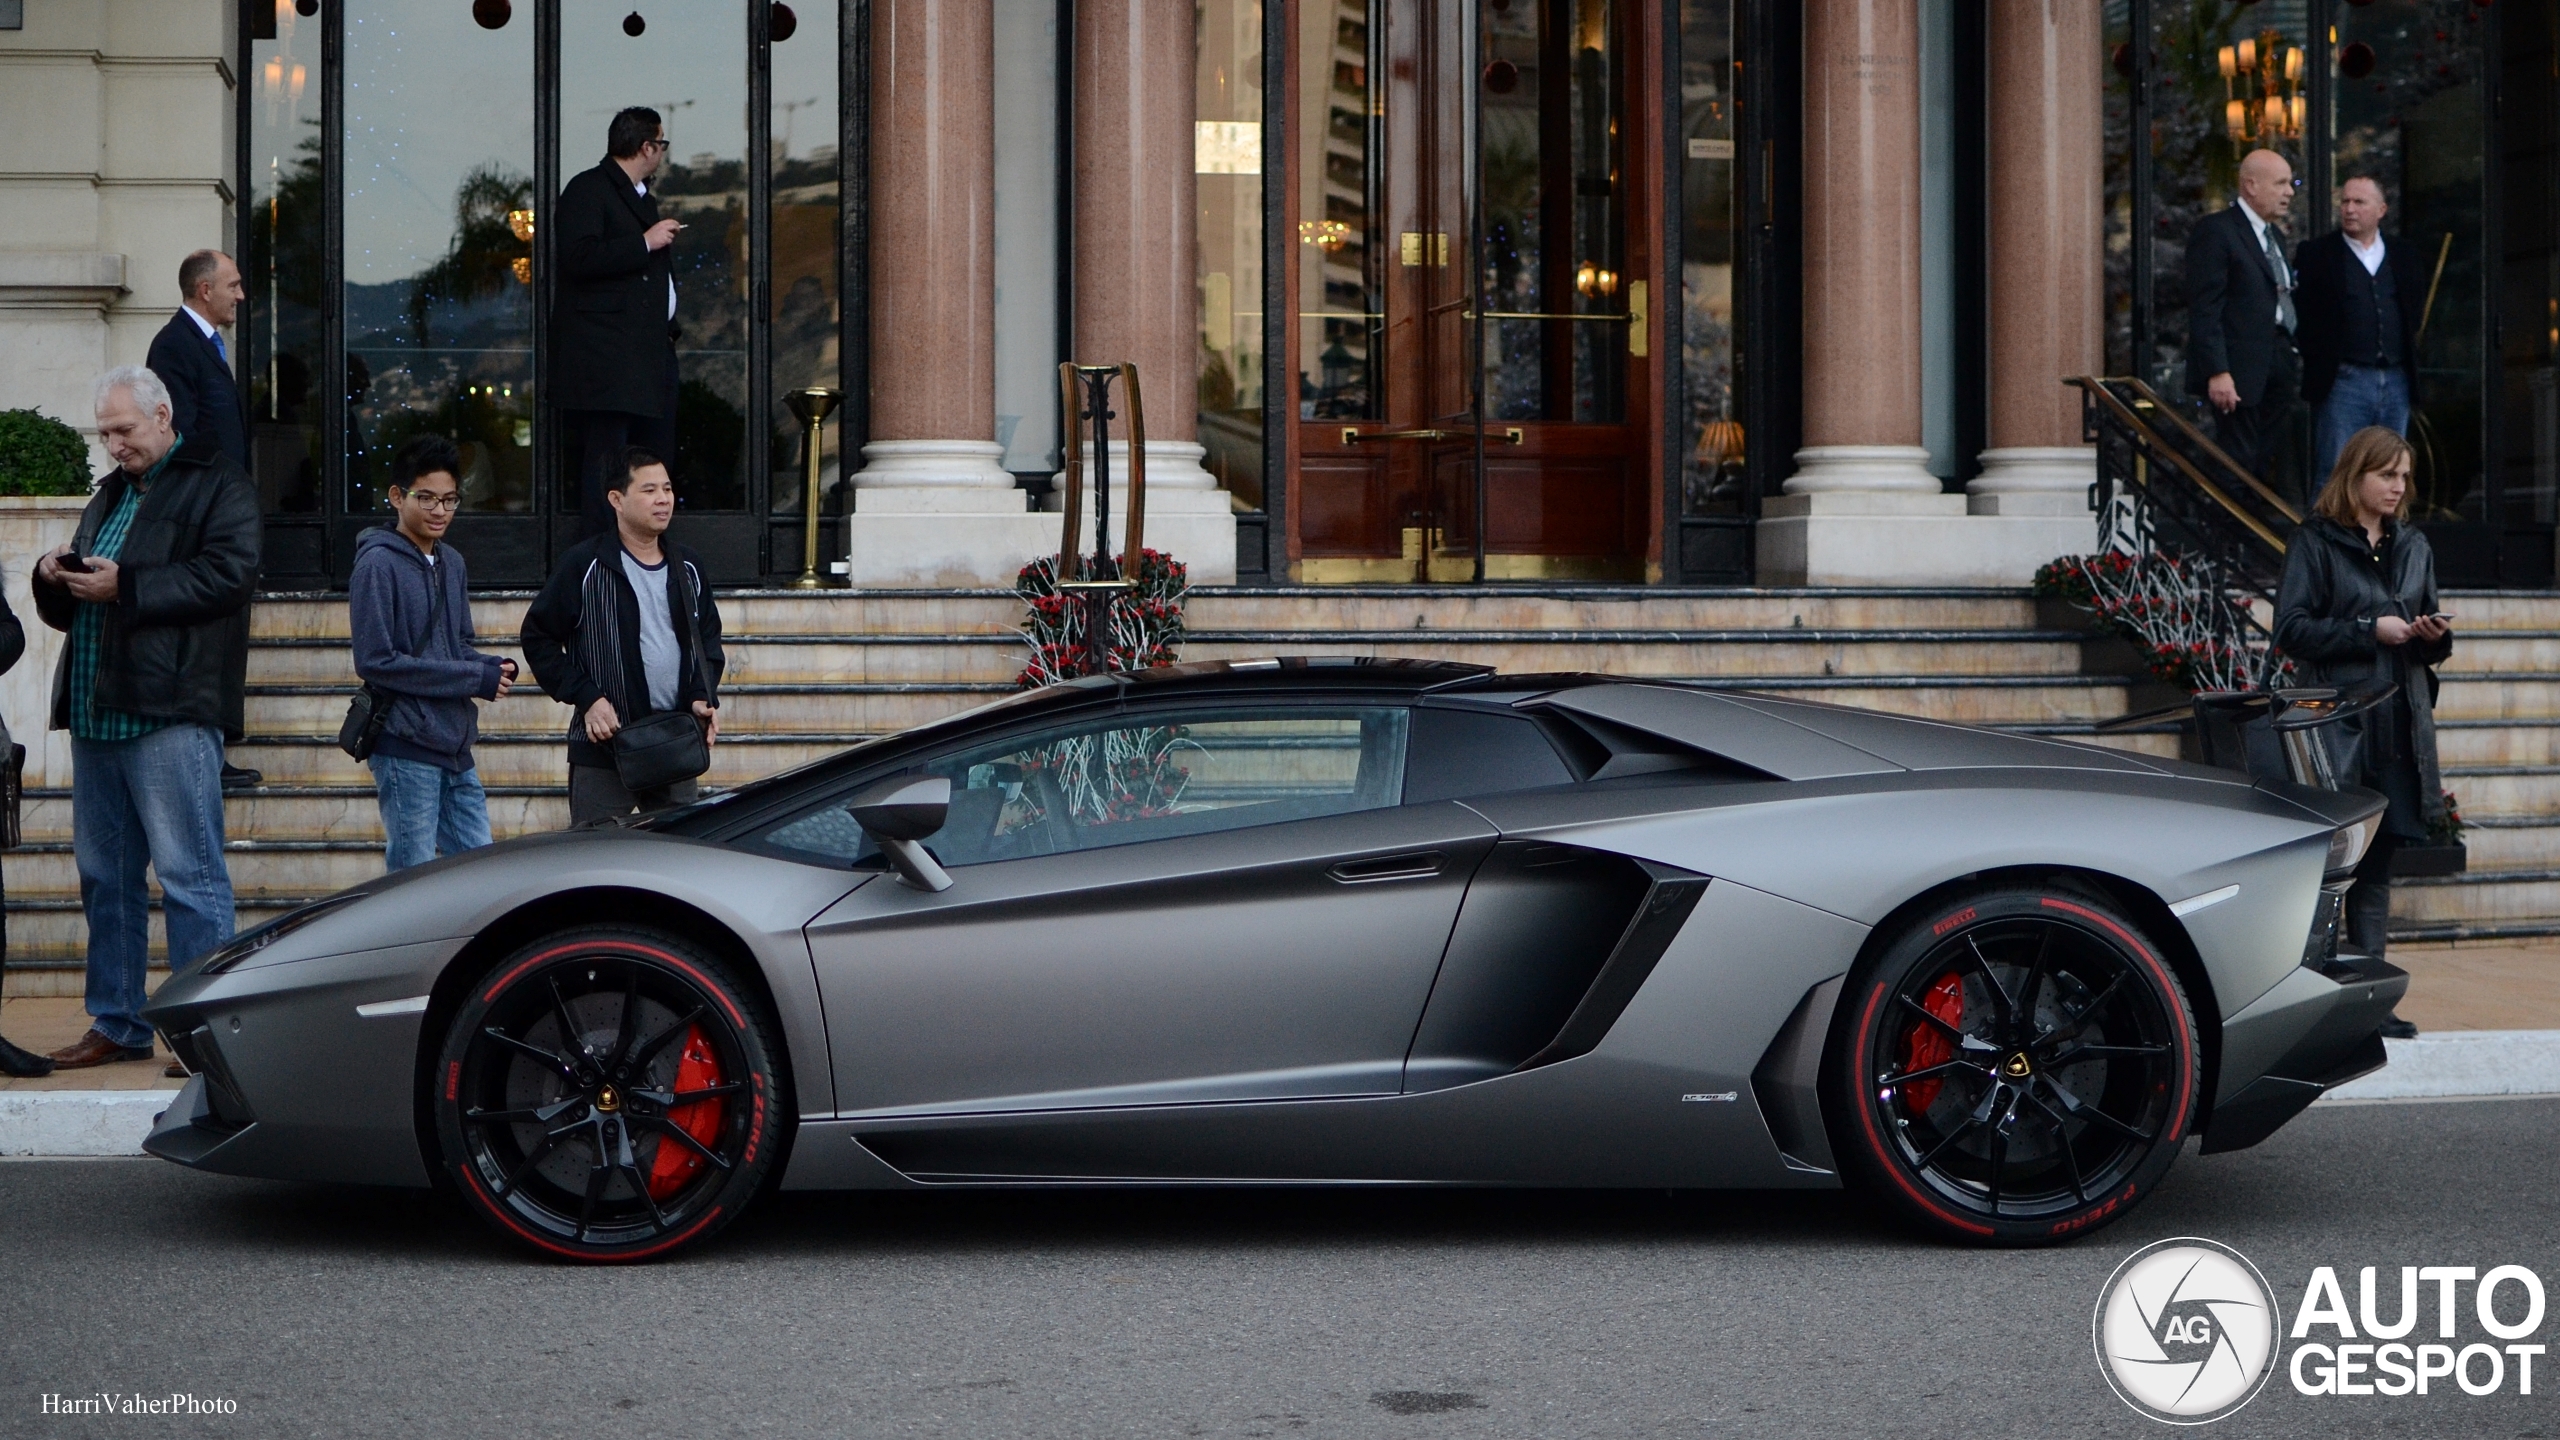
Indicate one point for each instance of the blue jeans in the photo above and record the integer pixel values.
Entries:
(2362, 396)
(155, 801)
(428, 812)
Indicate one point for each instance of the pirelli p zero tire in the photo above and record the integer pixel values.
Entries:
(609, 1094)
(2017, 1068)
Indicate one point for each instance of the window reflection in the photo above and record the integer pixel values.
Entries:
(808, 221)
(1554, 241)
(281, 264)
(1341, 284)
(439, 317)
(1712, 468)
(1228, 159)
(690, 65)
(2413, 123)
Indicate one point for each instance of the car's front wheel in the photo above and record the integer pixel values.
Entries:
(2016, 1068)
(609, 1094)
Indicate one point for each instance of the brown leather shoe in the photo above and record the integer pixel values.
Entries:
(96, 1049)
(175, 1071)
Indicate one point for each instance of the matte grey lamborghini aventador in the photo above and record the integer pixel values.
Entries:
(1316, 921)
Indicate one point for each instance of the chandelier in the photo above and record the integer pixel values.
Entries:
(2261, 90)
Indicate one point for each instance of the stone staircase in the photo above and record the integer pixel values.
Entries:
(807, 674)
(2498, 737)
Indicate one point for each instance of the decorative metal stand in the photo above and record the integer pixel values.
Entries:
(1086, 394)
(811, 407)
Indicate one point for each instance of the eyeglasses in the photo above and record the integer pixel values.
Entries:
(443, 504)
(655, 144)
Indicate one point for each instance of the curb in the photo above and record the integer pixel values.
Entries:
(2456, 1065)
(79, 1122)
(2462, 1063)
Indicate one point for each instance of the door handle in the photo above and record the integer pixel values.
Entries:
(1414, 865)
(1352, 436)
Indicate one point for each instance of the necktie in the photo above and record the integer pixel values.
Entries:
(219, 349)
(2284, 281)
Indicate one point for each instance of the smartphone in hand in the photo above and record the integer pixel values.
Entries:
(74, 562)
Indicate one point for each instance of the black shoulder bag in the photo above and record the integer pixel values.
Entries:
(370, 710)
(658, 750)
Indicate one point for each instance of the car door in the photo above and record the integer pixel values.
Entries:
(1160, 906)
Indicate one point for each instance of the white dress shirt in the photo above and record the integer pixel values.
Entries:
(2257, 226)
(639, 189)
(202, 323)
(2371, 259)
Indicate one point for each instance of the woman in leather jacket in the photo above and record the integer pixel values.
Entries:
(2358, 601)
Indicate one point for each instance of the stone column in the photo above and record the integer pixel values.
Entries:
(1136, 292)
(1862, 479)
(933, 504)
(2046, 287)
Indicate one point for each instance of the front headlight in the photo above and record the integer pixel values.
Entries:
(2348, 843)
(250, 942)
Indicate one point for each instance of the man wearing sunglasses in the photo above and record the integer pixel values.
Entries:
(613, 326)
(409, 609)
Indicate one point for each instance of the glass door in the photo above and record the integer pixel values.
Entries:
(1468, 331)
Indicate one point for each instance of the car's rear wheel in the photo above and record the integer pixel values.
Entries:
(609, 1094)
(2016, 1068)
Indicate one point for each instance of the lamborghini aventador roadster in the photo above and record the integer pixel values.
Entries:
(1321, 921)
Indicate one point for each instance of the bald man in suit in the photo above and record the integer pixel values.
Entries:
(2240, 315)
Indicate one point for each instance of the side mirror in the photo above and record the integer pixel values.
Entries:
(897, 813)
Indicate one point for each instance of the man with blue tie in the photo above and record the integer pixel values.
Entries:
(2240, 317)
(191, 359)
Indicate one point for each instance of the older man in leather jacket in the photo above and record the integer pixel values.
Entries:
(153, 592)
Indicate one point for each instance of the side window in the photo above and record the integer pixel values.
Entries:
(1136, 778)
(1457, 753)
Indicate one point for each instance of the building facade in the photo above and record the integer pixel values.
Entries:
(1670, 291)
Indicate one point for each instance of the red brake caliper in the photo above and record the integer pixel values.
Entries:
(696, 1068)
(1926, 1045)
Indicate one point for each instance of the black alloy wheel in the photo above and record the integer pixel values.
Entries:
(609, 1095)
(2017, 1068)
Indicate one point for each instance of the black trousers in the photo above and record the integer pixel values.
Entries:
(2369, 901)
(2252, 434)
(601, 434)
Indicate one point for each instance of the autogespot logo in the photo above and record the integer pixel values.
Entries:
(2186, 1330)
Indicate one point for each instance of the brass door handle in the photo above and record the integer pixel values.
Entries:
(1352, 436)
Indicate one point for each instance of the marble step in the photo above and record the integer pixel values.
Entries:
(2498, 742)
(856, 709)
(2512, 842)
(2505, 789)
(522, 759)
(1312, 608)
(2498, 695)
(317, 813)
(2503, 651)
(2478, 895)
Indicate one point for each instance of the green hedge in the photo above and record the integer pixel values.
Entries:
(40, 455)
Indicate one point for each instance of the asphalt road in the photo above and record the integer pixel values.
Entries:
(331, 1312)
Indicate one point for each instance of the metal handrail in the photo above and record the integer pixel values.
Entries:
(2126, 416)
(2145, 395)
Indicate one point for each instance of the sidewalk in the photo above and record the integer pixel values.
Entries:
(2488, 1016)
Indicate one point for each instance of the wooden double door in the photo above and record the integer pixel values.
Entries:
(1473, 295)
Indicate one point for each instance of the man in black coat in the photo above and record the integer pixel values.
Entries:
(613, 365)
(191, 360)
(2240, 315)
(152, 594)
(2359, 296)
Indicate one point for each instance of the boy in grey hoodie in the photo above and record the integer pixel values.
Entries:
(409, 609)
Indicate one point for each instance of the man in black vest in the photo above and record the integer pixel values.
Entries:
(2240, 315)
(613, 367)
(2359, 298)
(191, 359)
